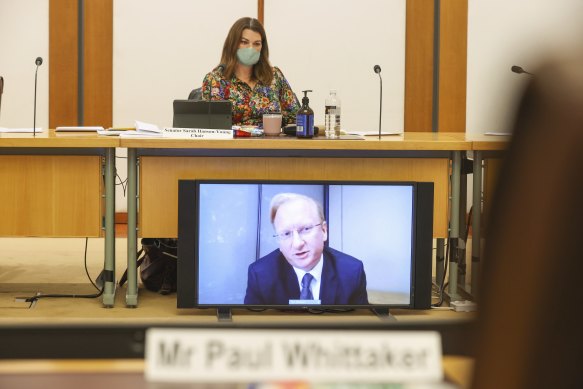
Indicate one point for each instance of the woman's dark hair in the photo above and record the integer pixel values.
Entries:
(261, 70)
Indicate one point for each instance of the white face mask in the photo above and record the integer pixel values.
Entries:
(248, 56)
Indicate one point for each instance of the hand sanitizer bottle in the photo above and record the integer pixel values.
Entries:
(305, 118)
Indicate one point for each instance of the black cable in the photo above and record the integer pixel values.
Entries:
(86, 269)
(443, 283)
(32, 299)
(123, 183)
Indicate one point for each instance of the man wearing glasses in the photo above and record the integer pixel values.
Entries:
(302, 270)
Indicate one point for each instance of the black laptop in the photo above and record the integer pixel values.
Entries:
(202, 114)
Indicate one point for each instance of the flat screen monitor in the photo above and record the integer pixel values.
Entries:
(304, 245)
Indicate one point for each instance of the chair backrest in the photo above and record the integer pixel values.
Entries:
(195, 94)
(529, 334)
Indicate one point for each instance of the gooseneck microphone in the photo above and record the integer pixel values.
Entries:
(38, 62)
(377, 70)
(519, 70)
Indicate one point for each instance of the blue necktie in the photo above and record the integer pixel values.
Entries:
(306, 293)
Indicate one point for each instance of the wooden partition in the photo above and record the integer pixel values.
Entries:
(436, 65)
(63, 62)
(419, 66)
(158, 216)
(51, 195)
(80, 62)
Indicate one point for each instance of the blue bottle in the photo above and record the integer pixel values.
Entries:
(305, 118)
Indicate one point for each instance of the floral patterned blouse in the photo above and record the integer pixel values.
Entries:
(249, 105)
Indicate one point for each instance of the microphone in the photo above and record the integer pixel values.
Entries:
(519, 70)
(377, 70)
(38, 62)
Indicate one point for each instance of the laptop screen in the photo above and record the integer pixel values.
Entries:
(202, 114)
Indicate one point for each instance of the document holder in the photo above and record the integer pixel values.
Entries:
(202, 114)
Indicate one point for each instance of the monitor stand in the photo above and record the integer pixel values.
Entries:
(383, 314)
(224, 315)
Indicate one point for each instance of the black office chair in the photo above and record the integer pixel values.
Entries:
(195, 94)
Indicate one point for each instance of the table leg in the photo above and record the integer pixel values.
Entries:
(454, 226)
(476, 221)
(439, 261)
(132, 192)
(109, 265)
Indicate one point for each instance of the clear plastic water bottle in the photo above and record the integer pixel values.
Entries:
(332, 115)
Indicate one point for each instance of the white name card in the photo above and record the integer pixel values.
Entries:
(197, 133)
(332, 356)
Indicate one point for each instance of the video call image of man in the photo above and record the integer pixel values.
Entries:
(302, 270)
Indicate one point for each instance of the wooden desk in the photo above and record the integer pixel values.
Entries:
(162, 162)
(129, 373)
(484, 147)
(60, 185)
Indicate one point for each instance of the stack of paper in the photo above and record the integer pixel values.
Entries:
(144, 130)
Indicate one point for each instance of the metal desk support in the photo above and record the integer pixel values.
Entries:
(109, 265)
(476, 221)
(454, 225)
(132, 188)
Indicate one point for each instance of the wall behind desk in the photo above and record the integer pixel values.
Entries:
(163, 49)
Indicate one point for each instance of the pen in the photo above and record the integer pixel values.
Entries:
(121, 128)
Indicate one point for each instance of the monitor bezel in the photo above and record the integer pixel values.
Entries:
(421, 257)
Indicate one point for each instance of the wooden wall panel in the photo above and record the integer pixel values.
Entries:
(453, 65)
(98, 63)
(260, 10)
(64, 62)
(419, 66)
(63, 85)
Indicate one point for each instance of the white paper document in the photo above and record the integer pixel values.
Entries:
(143, 130)
(140, 134)
(21, 130)
(79, 129)
(372, 133)
(147, 127)
(494, 133)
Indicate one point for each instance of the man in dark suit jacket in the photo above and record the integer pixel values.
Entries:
(302, 269)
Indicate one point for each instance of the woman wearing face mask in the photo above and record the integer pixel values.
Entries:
(246, 78)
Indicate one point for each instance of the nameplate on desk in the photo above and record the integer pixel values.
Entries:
(260, 355)
(197, 133)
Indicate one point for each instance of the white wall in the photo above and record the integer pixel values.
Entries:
(24, 36)
(163, 49)
(502, 33)
(331, 44)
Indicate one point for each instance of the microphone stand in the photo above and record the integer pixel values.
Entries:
(377, 70)
(381, 105)
(34, 115)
